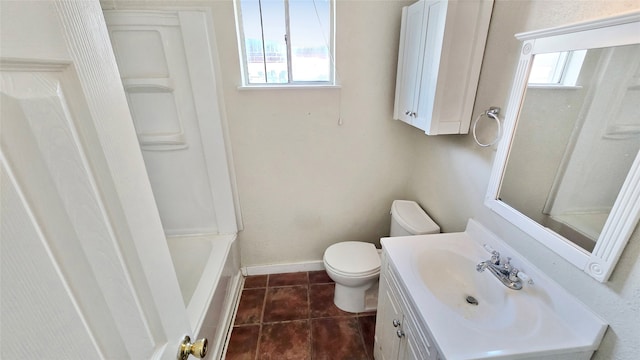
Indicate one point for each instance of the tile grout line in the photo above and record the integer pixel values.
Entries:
(361, 332)
(264, 302)
(310, 337)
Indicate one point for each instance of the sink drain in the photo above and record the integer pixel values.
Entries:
(471, 300)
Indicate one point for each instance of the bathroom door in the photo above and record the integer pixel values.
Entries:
(85, 268)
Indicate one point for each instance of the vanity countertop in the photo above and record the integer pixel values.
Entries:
(438, 272)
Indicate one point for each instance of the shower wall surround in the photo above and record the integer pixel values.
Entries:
(172, 95)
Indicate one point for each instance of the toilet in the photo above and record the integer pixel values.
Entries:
(355, 265)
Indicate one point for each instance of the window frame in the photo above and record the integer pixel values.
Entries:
(566, 70)
(290, 83)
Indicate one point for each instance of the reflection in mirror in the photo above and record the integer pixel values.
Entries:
(567, 172)
(574, 145)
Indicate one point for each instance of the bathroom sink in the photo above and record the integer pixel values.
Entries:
(473, 315)
(476, 298)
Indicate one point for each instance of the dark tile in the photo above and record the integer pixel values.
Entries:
(319, 277)
(250, 307)
(284, 308)
(286, 303)
(337, 339)
(243, 343)
(368, 330)
(321, 301)
(299, 278)
(255, 281)
(285, 341)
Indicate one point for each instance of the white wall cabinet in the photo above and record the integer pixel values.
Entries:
(441, 48)
(398, 334)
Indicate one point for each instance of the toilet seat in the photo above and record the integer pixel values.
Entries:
(329, 268)
(353, 258)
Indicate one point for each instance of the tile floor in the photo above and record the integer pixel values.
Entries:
(292, 316)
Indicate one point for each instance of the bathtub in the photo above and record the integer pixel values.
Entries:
(208, 271)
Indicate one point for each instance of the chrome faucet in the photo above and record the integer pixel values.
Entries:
(509, 275)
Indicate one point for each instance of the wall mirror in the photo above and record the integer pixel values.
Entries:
(567, 171)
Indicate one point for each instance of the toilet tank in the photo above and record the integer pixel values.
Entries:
(408, 218)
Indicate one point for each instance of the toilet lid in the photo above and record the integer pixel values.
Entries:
(353, 257)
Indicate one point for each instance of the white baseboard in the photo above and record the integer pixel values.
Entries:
(283, 268)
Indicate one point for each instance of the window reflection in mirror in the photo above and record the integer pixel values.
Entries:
(574, 145)
(557, 69)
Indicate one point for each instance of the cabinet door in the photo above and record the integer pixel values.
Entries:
(413, 346)
(435, 13)
(409, 350)
(410, 64)
(386, 339)
(433, 95)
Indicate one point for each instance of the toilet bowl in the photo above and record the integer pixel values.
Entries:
(355, 265)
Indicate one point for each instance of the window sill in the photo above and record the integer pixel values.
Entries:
(287, 87)
(554, 87)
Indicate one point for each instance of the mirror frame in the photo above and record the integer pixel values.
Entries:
(619, 30)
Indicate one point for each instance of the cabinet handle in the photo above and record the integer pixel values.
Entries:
(396, 322)
(408, 112)
(413, 114)
(400, 333)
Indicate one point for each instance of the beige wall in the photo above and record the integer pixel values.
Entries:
(305, 182)
(452, 173)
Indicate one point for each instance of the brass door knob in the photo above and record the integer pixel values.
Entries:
(197, 349)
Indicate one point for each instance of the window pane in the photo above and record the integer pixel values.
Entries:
(547, 68)
(273, 23)
(574, 65)
(251, 26)
(310, 27)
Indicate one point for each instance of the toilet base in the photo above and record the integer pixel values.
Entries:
(356, 299)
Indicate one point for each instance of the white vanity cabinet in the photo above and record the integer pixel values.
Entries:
(425, 311)
(398, 334)
(441, 49)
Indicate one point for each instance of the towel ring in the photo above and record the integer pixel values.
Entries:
(493, 114)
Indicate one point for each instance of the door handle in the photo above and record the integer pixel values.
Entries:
(198, 348)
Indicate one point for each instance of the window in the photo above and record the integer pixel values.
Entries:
(286, 42)
(557, 69)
